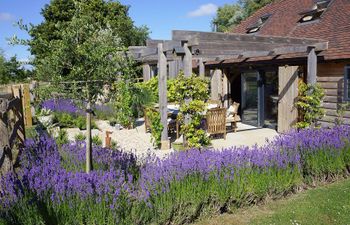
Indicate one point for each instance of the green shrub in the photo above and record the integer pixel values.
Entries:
(114, 144)
(66, 120)
(62, 138)
(155, 126)
(96, 140)
(309, 105)
(129, 101)
(31, 132)
(80, 137)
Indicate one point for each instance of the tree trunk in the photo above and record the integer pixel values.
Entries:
(88, 138)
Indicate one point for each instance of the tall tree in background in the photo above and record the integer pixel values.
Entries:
(230, 15)
(58, 16)
(251, 6)
(11, 71)
(226, 17)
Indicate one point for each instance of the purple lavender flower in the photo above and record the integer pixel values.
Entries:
(62, 105)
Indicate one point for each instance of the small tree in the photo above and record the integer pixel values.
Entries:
(309, 105)
(87, 56)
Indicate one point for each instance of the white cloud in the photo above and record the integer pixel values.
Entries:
(6, 16)
(204, 10)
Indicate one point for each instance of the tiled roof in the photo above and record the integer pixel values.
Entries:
(333, 26)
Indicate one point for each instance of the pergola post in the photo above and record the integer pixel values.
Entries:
(146, 70)
(172, 70)
(215, 84)
(187, 61)
(225, 90)
(201, 68)
(311, 66)
(163, 101)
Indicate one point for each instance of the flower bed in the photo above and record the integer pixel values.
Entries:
(51, 187)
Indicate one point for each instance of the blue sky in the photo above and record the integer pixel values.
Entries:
(161, 16)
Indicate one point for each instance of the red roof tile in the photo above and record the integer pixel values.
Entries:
(333, 26)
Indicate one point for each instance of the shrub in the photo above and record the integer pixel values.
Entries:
(129, 100)
(96, 140)
(62, 138)
(80, 137)
(309, 105)
(155, 126)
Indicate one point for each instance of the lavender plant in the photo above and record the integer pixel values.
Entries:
(51, 187)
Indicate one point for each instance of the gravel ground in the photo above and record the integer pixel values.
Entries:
(139, 142)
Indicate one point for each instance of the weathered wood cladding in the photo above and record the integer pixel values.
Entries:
(330, 76)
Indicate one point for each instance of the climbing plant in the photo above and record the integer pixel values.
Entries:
(179, 89)
(196, 89)
(309, 105)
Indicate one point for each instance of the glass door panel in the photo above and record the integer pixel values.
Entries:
(250, 98)
(271, 99)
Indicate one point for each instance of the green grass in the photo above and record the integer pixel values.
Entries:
(324, 205)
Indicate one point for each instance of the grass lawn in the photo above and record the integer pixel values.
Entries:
(324, 205)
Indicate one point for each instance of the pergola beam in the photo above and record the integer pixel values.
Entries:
(211, 46)
(196, 36)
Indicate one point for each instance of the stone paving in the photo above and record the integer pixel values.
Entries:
(139, 142)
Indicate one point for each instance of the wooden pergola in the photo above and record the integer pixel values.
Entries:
(214, 48)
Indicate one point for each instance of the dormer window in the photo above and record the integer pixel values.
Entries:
(315, 12)
(256, 26)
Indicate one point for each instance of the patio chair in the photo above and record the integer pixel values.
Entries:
(232, 116)
(216, 121)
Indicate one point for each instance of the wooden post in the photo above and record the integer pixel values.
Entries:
(311, 66)
(172, 70)
(5, 161)
(108, 139)
(187, 61)
(216, 84)
(163, 101)
(225, 91)
(146, 70)
(28, 122)
(201, 68)
(88, 138)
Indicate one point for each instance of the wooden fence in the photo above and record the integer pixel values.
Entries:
(12, 127)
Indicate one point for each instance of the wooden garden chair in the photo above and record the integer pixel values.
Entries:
(216, 121)
(232, 116)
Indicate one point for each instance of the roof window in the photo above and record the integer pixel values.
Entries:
(258, 24)
(315, 12)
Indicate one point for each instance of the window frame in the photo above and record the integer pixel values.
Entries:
(346, 83)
